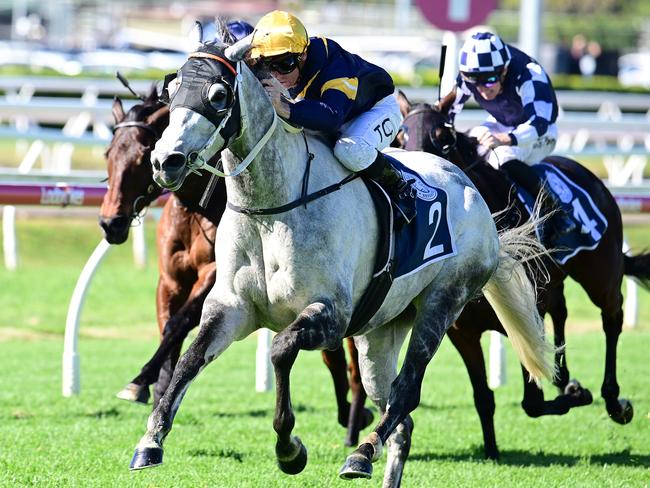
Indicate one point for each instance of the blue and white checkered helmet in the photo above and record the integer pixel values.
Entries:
(484, 52)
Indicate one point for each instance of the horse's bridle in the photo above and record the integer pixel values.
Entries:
(137, 216)
(136, 123)
(444, 148)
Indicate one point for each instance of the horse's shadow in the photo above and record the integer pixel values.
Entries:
(527, 458)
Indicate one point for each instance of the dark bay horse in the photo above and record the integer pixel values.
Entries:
(599, 271)
(185, 244)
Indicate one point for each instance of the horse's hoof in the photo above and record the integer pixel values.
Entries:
(147, 457)
(624, 416)
(135, 393)
(581, 396)
(297, 463)
(492, 454)
(356, 466)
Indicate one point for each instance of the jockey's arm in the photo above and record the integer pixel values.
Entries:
(326, 114)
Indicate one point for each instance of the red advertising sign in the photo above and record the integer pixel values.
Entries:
(456, 15)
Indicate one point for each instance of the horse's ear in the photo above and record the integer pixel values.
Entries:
(118, 110)
(404, 103)
(444, 104)
(239, 50)
(153, 92)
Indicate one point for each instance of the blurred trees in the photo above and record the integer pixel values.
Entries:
(615, 24)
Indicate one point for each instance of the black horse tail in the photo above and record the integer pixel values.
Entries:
(638, 267)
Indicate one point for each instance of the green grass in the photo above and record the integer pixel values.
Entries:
(223, 434)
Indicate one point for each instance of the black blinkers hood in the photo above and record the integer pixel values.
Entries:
(198, 74)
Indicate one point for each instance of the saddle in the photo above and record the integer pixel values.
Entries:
(591, 224)
(403, 249)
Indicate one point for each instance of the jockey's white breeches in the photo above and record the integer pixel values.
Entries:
(530, 152)
(368, 133)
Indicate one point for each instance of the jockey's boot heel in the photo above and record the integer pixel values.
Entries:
(560, 223)
(400, 190)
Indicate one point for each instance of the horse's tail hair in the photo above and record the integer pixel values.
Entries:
(514, 299)
(638, 267)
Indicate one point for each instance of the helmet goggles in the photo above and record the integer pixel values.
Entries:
(283, 64)
(487, 80)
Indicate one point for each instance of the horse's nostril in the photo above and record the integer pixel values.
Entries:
(174, 162)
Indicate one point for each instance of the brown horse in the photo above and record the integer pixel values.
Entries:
(185, 243)
(599, 271)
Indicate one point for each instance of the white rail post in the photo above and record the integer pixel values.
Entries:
(9, 245)
(263, 379)
(497, 374)
(71, 371)
(139, 245)
(630, 307)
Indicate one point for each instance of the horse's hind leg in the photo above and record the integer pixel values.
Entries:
(160, 367)
(317, 326)
(360, 417)
(620, 410)
(469, 347)
(180, 325)
(433, 320)
(219, 328)
(378, 353)
(556, 308)
(353, 416)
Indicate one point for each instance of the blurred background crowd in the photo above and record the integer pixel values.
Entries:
(598, 42)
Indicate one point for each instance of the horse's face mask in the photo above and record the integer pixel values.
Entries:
(204, 90)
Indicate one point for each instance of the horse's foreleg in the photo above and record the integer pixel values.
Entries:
(316, 327)
(181, 324)
(218, 330)
(160, 367)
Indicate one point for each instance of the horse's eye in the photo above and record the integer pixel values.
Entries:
(218, 95)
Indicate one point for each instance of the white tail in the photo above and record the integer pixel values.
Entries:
(514, 299)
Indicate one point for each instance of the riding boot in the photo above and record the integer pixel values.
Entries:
(391, 180)
(560, 222)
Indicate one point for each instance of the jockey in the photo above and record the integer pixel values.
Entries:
(517, 93)
(318, 85)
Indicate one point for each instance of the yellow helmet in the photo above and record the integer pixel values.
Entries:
(278, 32)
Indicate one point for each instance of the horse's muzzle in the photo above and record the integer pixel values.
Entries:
(116, 229)
(169, 169)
